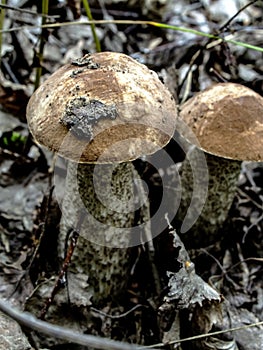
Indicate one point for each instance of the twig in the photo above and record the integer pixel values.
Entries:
(45, 207)
(30, 12)
(225, 26)
(10, 155)
(201, 336)
(39, 55)
(63, 271)
(135, 22)
(249, 199)
(224, 271)
(117, 316)
(66, 334)
(250, 227)
(30, 321)
(207, 45)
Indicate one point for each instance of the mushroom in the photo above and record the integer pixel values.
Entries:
(227, 120)
(101, 112)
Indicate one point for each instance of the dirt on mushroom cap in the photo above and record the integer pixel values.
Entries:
(138, 115)
(227, 119)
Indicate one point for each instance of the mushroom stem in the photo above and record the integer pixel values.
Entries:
(108, 193)
(226, 119)
(223, 176)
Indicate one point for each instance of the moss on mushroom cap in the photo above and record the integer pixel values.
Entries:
(87, 107)
(227, 119)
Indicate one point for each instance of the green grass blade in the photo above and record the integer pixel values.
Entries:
(93, 29)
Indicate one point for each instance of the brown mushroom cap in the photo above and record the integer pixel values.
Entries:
(227, 120)
(103, 102)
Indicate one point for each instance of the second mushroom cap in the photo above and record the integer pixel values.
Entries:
(227, 120)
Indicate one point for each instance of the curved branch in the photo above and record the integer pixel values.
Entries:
(30, 321)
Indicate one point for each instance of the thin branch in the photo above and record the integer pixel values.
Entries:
(226, 25)
(40, 53)
(259, 219)
(201, 336)
(30, 12)
(151, 23)
(41, 229)
(125, 314)
(30, 321)
(63, 271)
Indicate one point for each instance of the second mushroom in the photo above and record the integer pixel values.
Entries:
(227, 120)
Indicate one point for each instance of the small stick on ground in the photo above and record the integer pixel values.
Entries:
(63, 271)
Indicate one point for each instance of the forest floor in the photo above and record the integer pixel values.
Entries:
(187, 63)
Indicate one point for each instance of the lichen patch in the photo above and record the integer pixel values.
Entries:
(81, 114)
(86, 61)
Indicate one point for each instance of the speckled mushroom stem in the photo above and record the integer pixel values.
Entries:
(101, 108)
(224, 121)
(106, 268)
(222, 183)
